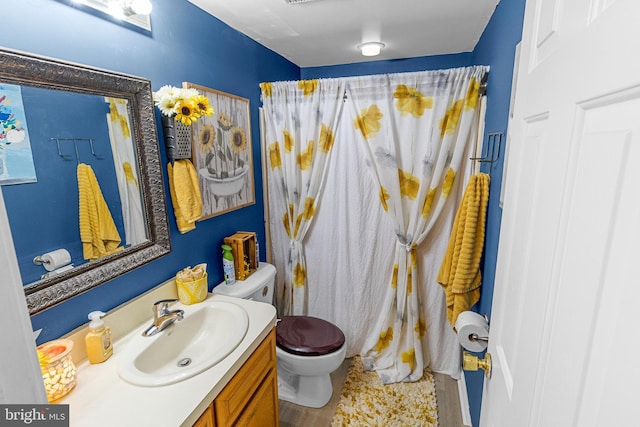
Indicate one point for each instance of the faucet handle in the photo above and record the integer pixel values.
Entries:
(163, 305)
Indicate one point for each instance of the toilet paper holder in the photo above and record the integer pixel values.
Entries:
(40, 261)
(54, 259)
(475, 337)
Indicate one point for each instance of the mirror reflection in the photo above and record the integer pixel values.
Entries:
(71, 136)
(96, 122)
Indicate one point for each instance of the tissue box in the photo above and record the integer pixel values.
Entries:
(193, 291)
(243, 247)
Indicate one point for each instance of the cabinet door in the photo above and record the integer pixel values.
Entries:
(206, 419)
(253, 391)
(262, 409)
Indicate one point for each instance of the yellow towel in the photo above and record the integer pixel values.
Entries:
(185, 194)
(460, 270)
(98, 232)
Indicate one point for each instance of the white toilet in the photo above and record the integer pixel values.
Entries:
(308, 349)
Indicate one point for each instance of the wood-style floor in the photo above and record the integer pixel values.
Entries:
(291, 415)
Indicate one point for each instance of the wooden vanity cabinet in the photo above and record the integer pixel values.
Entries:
(206, 419)
(251, 397)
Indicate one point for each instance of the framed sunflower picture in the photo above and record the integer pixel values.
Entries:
(221, 153)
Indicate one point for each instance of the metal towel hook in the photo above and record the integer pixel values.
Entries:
(75, 145)
(492, 149)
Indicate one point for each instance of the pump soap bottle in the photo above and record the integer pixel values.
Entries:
(98, 340)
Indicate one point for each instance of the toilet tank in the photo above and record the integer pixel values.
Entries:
(258, 287)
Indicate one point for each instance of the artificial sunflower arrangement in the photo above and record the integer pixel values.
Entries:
(185, 104)
(225, 147)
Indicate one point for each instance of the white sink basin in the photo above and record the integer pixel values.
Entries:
(209, 332)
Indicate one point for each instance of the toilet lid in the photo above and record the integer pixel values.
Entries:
(308, 336)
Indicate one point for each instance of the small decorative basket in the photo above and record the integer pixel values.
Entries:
(194, 291)
(58, 371)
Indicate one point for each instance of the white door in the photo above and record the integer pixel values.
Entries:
(564, 326)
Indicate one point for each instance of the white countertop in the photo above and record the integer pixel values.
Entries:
(102, 398)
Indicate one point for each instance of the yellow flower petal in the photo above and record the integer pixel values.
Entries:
(267, 89)
(286, 223)
(299, 275)
(449, 179)
(409, 357)
(411, 101)
(297, 227)
(471, 100)
(394, 277)
(385, 339)
(309, 208)
(426, 208)
(368, 122)
(384, 196)
(274, 155)
(326, 139)
(409, 184)
(449, 123)
(128, 173)
(288, 141)
(420, 327)
(305, 158)
(308, 86)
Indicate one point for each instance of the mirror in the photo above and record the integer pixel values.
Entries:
(71, 112)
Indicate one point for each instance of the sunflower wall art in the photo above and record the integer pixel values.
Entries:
(221, 153)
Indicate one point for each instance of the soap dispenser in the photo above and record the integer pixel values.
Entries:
(98, 340)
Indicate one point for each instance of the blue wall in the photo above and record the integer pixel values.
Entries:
(185, 44)
(405, 65)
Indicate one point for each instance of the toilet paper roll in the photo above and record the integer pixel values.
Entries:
(56, 259)
(470, 325)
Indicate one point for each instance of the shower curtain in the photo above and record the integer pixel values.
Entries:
(124, 160)
(415, 129)
(301, 119)
(352, 241)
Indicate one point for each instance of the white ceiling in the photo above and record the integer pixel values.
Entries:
(327, 32)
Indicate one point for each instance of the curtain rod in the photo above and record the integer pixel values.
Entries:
(481, 92)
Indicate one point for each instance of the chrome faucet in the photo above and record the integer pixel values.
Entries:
(162, 317)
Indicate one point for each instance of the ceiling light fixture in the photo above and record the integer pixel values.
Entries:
(141, 7)
(135, 12)
(371, 48)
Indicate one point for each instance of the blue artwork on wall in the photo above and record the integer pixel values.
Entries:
(16, 161)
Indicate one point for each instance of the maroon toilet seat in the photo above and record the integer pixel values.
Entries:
(308, 336)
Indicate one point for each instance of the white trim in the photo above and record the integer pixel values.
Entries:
(265, 187)
(20, 376)
(464, 401)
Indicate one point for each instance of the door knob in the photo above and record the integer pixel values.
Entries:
(471, 362)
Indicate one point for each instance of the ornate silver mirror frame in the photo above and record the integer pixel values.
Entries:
(26, 69)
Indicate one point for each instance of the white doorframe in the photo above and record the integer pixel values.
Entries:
(20, 376)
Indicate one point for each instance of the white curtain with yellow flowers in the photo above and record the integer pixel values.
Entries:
(301, 119)
(415, 129)
(124, 160)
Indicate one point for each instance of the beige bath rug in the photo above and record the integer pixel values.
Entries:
(365, 401)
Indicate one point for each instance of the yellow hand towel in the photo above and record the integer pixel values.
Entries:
(460, 270)
(185, 194)
(98, 232)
